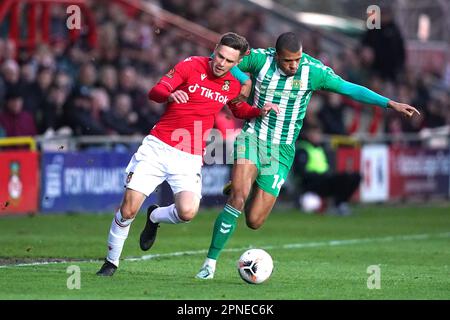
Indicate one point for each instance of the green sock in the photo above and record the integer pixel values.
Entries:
(223, 229)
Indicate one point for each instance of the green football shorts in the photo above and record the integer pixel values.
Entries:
(273, 161)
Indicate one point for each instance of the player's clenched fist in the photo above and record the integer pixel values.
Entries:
(178, 96)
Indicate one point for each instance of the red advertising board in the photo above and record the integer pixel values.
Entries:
(19, 182)
(348, 159)
(419, 173)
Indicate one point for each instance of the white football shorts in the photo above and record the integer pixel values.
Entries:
(155, 161)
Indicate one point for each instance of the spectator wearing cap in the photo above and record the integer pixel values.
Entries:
(13, 119)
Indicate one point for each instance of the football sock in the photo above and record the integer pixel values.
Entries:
(210, 262)
(166, 215)
(118, 233)
(223, 229)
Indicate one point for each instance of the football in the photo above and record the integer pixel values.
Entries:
(310, 202)
(255, 266)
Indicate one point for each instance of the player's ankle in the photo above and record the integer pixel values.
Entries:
(210, 262)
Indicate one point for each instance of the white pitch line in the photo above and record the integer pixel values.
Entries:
(329, 243)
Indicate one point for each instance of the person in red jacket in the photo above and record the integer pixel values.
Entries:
(195, 90)
(14, 120)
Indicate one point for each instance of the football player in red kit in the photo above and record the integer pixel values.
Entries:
(195, 90)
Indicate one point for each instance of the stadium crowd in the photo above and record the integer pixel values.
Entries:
(72, 89)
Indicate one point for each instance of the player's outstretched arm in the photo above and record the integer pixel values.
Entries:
(365, 95)
(403, 108)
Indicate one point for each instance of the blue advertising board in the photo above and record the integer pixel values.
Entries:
(84, 182)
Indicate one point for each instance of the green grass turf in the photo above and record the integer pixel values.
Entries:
(414, 267)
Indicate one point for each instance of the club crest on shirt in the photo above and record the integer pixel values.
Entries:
(296, 84)
(203, 76)
(226, 86)
(170, 73)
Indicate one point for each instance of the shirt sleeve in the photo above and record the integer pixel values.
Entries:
(254, 61)
(325, 78)
(159, 93)
(177, 75)
(243, 110)
(330, 81)
(238, 74)
(362, 94)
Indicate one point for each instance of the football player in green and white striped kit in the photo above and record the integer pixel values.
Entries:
(265, 149)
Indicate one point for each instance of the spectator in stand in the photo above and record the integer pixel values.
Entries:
(121, 119)
(87, 76)
(435, 115)
(312, 167)
(355, 64)
(54, 117)
(10, 72)
(8, 50)
(388, 46)
(108, 79)
(101, 103)
(63, 81)
(332, 115)
(28, 71)
(139, 101)
(149, 115)
(14, 120)
(81, 114)
(37, 92)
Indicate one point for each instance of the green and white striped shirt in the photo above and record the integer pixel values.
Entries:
(290, 93)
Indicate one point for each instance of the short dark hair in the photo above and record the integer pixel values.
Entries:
(288, 41)
(235, 41)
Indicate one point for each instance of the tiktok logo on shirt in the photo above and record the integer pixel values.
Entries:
(208, 93)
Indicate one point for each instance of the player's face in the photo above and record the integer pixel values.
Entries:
(288, 61)
(224, 59)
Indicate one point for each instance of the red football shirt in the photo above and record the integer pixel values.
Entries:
(186, 125)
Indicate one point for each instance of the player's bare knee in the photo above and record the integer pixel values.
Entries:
(187, 212)
(254, 223)
(128, 212)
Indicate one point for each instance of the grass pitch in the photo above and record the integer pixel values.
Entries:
(315, 257)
